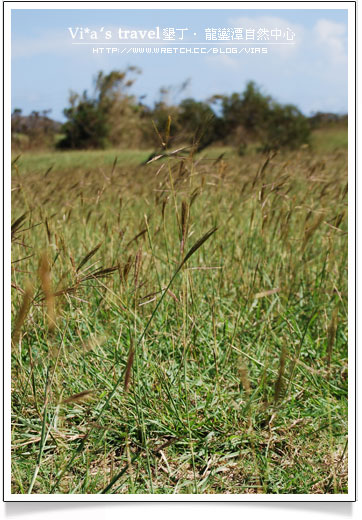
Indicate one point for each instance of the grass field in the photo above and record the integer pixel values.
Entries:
(180, 327)
(322, 141)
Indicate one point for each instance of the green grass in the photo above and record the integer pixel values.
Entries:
(322, 141)
(330, 139)
(232, 381)
(40, 161)
(60, 161)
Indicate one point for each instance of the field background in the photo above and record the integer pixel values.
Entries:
(231, 379)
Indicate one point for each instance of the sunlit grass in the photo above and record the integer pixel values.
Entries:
(230, 377)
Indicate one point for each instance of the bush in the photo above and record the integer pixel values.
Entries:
(86, 126)
(197, 120)
(253, 116)
(36, 130)
(105, 118)
(287, 128)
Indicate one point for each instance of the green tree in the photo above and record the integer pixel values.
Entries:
(104, 118)
(198, 122)
(287, 128)
(254, 116)
(250, 109)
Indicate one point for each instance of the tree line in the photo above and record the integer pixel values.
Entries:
(111, 116)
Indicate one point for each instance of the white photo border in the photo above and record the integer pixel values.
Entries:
(8, 6)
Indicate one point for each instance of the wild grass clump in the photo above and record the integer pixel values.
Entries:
(181, 327)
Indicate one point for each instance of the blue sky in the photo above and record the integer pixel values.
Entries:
(311, 74)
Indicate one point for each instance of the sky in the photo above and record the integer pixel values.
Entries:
(310, 73)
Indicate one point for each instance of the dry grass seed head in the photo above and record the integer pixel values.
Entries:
(185, 212)
(46, 284)
(22, 313)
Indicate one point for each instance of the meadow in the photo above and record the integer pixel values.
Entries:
(180, 326)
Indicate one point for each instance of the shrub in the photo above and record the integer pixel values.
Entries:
(287, 128)
(253, 116)
(197, 120)
(95, 122)
(86, 126)
(36, 130)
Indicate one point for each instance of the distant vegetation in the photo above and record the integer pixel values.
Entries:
(33, 131)
(111, 117)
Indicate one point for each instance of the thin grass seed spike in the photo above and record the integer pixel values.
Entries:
(22, 313)
(45, 276)
(130, 359)
(15, 160)
(168, 128)
(184, 224)
(278, 387)
(193, 249)
(99, 273)
(15, 226)
(88, 256)
(196, 246)
(76, 398)
(114, 165)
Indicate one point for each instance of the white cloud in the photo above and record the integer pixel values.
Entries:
(333, 37)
